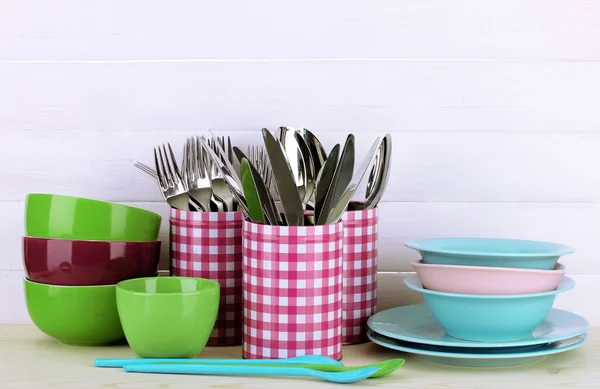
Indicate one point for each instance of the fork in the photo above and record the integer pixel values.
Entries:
(195, 173)
(219, 185)
(258, 158)
(147, 170)
(173, 186)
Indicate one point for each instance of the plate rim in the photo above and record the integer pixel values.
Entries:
(514, 343)
(413, 282)
(480, 356)
(560, 248)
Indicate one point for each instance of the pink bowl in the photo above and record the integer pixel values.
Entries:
(487, 280)
(88, 262)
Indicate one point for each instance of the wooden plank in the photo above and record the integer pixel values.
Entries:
(426, 167)
(327, 96)
(108, 30)
(571, 224)
(391, 292)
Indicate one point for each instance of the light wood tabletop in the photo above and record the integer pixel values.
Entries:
(32, 360)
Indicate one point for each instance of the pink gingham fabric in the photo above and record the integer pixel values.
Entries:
(360, 273)
(292, 291)
(209, 245)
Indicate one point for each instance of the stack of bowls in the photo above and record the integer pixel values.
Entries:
(75, 250)
(488, 302)
(489, 290)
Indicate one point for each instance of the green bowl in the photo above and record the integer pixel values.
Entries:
(68, 217)
(168, 317)
(75, 315)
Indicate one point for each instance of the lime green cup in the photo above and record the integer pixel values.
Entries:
(75, 315)
(168, 317)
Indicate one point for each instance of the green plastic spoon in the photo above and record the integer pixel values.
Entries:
(385, 367)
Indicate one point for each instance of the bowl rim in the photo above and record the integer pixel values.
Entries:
(559, 248)
(413, 282)
(41, 238)
(112, 203)
(559, 268)
(212, 285)
(28, 281)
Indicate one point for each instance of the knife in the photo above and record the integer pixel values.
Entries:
(284, 181)
(269, 209)
(250, 193)
(341, 178)
(309, 172)
(339, 208)
(324, 178)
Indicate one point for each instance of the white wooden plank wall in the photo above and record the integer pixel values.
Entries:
(493, 108)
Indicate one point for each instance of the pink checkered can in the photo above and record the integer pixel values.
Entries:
(209, 245)
(292, 279)
(360, 273)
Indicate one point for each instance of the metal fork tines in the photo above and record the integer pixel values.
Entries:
(219, 185)
(195, 173)
(258, 157)
(147, 170)
(170, 180)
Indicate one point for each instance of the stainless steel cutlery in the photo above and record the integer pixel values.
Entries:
(289, 180)
(195, 172)
(173, 186)
(378, 178)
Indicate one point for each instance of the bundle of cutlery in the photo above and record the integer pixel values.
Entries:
(290, 180)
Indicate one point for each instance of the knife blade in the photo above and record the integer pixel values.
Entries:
(284, 181)
(341, 179)
(309, 172)
(339, 208)
(269, 209)
(324, 179)
(250, 193)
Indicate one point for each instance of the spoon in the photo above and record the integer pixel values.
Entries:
(291, 143)
(303, 359)
(317, 151)
(380, 173)
(345, 377)
(339, 208)
(385, 367)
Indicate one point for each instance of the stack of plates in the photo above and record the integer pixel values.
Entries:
(414, 330)
(488, 302)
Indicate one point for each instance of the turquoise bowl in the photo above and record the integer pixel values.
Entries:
(489, 318)
(515, 253)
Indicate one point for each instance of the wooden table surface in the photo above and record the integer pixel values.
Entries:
(29, 359)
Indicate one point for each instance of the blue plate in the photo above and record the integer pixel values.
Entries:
(415, 323)
(516, 253)
(478, 357)
(489, 318)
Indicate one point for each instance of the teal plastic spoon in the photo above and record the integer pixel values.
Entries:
(384, 367)
(304, 359)
(346, 377)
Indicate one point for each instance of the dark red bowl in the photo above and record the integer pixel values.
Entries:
(88, 262)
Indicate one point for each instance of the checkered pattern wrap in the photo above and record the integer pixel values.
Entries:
(360, 273)
(209, 245)
(292, 291)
